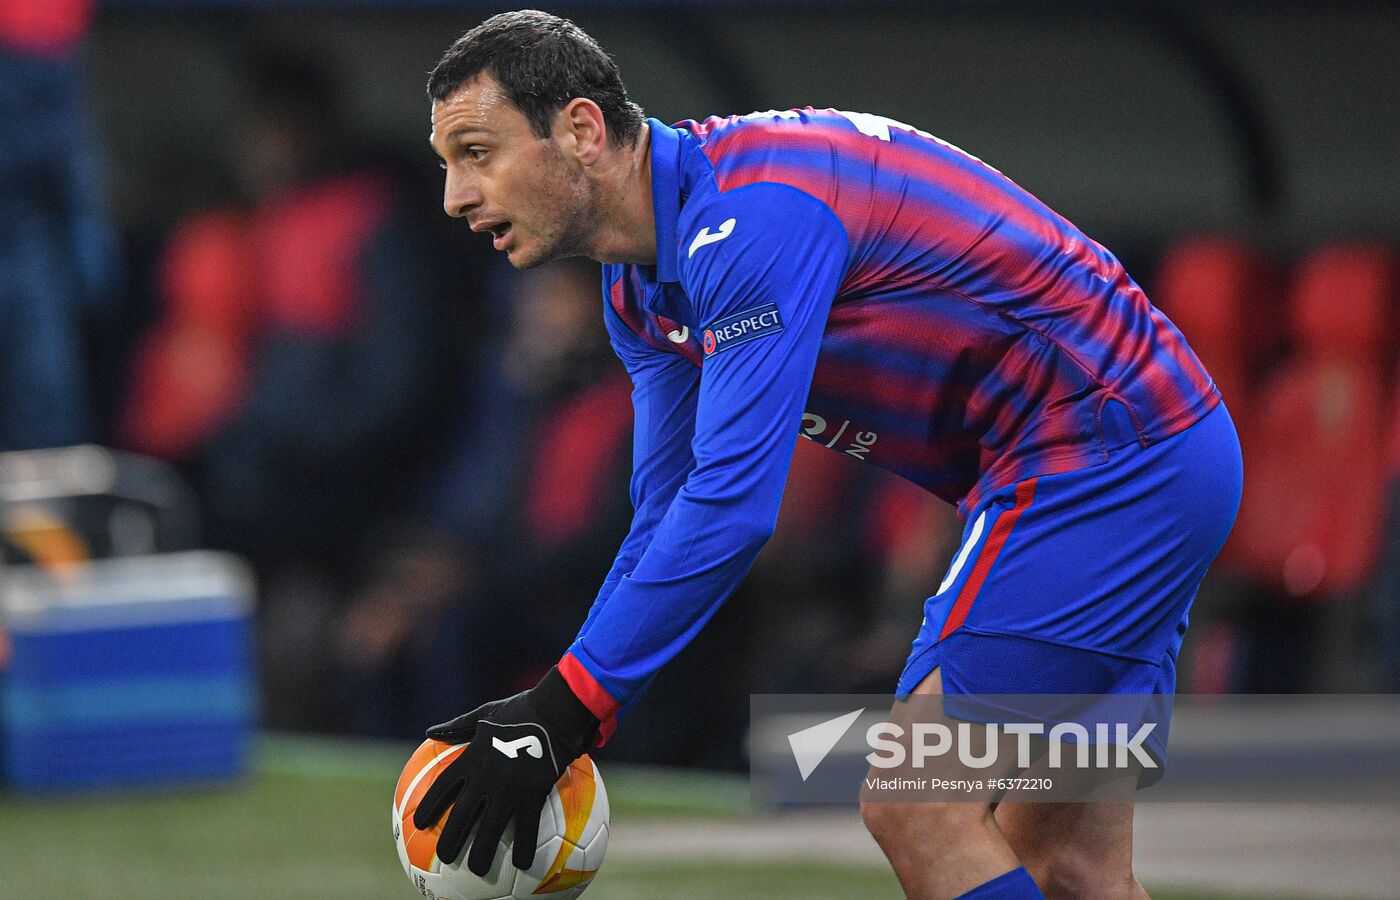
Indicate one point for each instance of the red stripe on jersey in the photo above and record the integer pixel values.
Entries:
(629, 316)
(1020, 321)
(1025, 493)
(591, 693)
(951, 170)
(636, 320)
(851, 380)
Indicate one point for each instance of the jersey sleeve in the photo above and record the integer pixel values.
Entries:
(761, 266)
(665, 388)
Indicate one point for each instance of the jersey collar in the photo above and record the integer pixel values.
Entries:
(665, 196)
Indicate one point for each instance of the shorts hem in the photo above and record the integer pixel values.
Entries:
(1011, 664)
(918, 664)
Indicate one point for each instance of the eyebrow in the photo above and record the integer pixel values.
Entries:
(454, 135)
(460, 134)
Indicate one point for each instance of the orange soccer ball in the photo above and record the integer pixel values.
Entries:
(573, 836)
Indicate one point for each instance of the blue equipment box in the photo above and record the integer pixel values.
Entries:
(127, 671)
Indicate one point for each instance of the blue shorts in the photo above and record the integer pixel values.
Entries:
(1081, 582)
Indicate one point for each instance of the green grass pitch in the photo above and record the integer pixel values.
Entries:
(312, 821)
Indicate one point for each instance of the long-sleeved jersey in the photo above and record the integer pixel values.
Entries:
(869, 286)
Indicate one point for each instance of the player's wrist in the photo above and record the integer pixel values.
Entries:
(564, 713)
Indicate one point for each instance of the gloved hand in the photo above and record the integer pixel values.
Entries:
(519, 747)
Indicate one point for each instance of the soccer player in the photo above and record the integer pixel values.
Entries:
(885, 293)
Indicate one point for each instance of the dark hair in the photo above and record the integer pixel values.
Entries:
(541, 62)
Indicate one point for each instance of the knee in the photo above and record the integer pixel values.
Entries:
(880, 820)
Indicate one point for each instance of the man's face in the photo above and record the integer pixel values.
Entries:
(502, 178)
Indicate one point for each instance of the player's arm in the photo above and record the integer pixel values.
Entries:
(783, 256)
(763, 285)
(665, 388)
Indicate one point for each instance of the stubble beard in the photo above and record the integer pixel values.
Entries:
(575, 214)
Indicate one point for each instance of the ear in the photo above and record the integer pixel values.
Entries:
(584, 130)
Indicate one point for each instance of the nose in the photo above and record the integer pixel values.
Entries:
(460, 194)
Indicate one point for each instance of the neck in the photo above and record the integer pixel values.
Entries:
(626, 231)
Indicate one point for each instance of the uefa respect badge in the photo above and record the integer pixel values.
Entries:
(742, 327)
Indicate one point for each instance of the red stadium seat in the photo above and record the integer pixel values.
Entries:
(1316, 469)
(1223, 297)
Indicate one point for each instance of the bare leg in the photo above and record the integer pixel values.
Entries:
(938, 850)
(1074, 849)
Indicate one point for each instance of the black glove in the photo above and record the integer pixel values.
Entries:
(519, 747)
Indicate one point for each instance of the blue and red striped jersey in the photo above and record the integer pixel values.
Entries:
(878, 290)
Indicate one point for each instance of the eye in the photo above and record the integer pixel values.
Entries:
(475, 154)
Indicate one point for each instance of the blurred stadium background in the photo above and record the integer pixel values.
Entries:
(284, 477)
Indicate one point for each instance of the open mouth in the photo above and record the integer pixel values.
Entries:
(499, 235)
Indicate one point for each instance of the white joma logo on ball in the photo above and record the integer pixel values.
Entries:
(529, 743)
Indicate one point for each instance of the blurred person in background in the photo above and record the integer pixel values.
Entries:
(190, 371)
(910, 537)
(340, 371)
(57, 254)
(806, 589)
(299, 365)
(516, 526)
